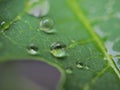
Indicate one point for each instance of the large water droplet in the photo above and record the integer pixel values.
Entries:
(38, 8)
(32, 49)
(69, 70)
(58, 49)
(47, 24)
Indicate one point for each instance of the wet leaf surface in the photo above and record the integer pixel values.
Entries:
(89, 29)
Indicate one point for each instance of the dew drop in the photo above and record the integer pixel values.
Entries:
(47, 24)
(4, 26)
(79, 65)
(58, 50)
(2, 23)
(86, 67)
(38, 8)
(69, 70)
(32, 49)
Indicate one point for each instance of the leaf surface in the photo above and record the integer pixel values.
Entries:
(89, 29)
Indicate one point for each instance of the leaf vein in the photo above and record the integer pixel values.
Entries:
(80, 15)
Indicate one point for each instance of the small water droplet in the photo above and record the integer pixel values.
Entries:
(38, 8)
(86, 67)
(4, 26)
(69, 70)
(2, 23)
(32, 49)
(79, 65)
(47, 24)
(58, 50)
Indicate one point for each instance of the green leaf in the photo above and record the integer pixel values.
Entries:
(88, 28)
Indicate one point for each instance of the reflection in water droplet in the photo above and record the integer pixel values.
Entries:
(69, 70)
(58, 50)
(38, 8)
(47, 24)
(32, 49)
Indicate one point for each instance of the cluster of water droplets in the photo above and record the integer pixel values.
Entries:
(79, 65)
(57, 49)
(40, 9)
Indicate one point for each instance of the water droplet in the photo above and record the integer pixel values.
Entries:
(47, 24)
(58, 49)
(86, 67)
(2, 23)
(4, 26)
(38, 8)
(79, 65)
(69, 70)
(32, 49)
